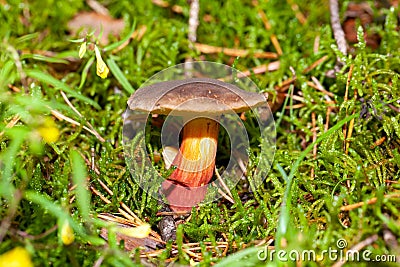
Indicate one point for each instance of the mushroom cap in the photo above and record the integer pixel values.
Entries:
(195, 95)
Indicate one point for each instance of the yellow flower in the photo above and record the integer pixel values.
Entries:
(82, 50)
(67, 234)
(17, 257)
(101, 67)
(49, 131)
(141, 231)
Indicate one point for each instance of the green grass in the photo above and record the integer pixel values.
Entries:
(298, 210)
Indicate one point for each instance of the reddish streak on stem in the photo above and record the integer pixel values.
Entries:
(194, 164)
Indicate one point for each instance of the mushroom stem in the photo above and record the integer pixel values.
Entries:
(195, 164)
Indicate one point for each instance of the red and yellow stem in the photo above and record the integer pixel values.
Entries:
(194, 164)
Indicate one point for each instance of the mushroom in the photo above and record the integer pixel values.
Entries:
(200, 101)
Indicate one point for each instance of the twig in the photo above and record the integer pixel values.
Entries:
(368, 202)
(11, 123)
(226, 188)
(337, 28)
(92, 166)
(80, 115)
(192, 33)
(18, 65)
(300, 16)
(294, 97)
(295, 106)
(268, 27)
(193, 21)
(61, 116)
(314, 139)
(272, 66)
(99, 261)
(172, 213)
(136, 35)
(315, 64)
(223, 194)
(346, 95)
(328, 113)
(14, 88)
(317, 85)
(165, 4)
(97, 7)
(316, 44)
(209, 49)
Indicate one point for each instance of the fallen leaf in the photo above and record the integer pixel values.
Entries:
(89, 21)
(364, 13)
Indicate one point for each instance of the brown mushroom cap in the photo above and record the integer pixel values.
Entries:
(210, 96)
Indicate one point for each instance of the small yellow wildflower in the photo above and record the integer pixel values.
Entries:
(82, 50)
(67, 234)
(141, 231)
(17, 257)
(101, 67)
(49, 131)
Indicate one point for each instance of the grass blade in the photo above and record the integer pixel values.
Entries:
(79, 175)
(48, 79)
(116, 71)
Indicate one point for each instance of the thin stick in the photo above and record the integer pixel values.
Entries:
(172, 213)
(97, 193)
(369, 202)
(93, 166)
(125, 207)
(314, 131)
(295, 106)
(61, 116)
(192, 33)
(193, 21)
(18, 65)
(70, 104)
(300, 16)
(316, 44)
(338, 32)
(226, 188)
(268, 27)
(223, 194)
(315, 64)
(209, 49)
(272, 66)
(80, 115)
(328, 113)
(14, 88)
(295, 97)
(317, 85)
(346, 96)
(11, 123)
(351, 127)
(97, 7)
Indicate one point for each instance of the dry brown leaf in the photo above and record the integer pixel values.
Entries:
(364, 13)
(88, 21)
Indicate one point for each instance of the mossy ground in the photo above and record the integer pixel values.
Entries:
(36, 177)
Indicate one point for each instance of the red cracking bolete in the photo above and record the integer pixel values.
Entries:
(200, 101)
